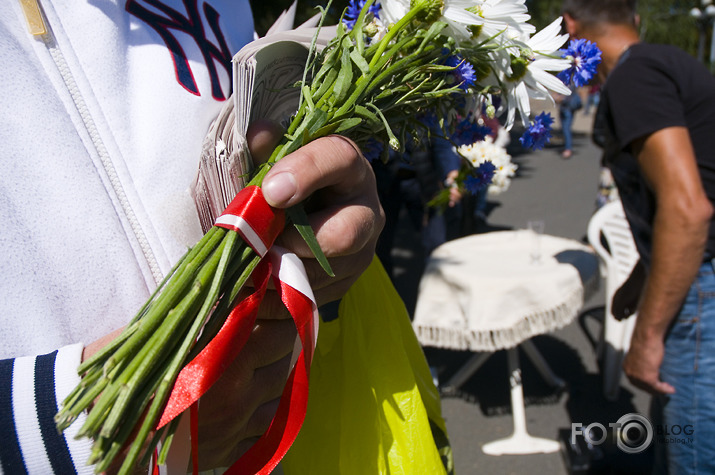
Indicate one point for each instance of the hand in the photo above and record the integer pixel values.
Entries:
(239, 407)
(455, 196)
(347, 218)
(642, 364)
(344, 211)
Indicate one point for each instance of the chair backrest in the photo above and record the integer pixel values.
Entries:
(611, 237)
(609, 226)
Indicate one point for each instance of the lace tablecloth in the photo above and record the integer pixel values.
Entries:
(485, 293)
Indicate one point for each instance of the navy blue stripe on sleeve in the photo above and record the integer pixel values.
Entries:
(10, 454)
(46, 404)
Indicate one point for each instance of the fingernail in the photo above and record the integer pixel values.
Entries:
(279, 189)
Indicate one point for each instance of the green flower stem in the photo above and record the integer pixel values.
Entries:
(367, 83)
(87, 381)
(168, 298)
(403, 64)
(66, 418)
(105, 449)
(179, 359)
(105, 351)
(101, 355)
(404, 21)
(97, 359)
(176, 322)
(236, 280)
(417, 90)
(152, 355)
(154, 317)
(170, 433)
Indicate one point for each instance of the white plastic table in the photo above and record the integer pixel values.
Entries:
(487, 292)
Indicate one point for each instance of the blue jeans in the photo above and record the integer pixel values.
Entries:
(686, 443)
(566, 116)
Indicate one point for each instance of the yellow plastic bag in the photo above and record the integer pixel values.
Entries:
(373, 408)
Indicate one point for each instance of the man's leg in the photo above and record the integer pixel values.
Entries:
(688, 428)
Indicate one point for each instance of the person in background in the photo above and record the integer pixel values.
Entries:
(655, 122)
(593, 98)
(409, 181)
(568, 106)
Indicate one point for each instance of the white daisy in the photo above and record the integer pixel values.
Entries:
(507, 17)
(529, 76)
(454, 14)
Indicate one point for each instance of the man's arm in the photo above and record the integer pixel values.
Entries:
(680, 232)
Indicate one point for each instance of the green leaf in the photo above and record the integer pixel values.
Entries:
(345, 79)
(323, 131)
(347, 124)
(316, 120)
(329, 60)
(360, 61)
(312, 50)
(337, 127)
(300, 221)
(432, 33)
(326, 84)
(365, 113)
(308, 99)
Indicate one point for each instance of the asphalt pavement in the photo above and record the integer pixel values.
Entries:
(561, 193)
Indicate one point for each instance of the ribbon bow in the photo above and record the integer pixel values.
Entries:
(259, 224)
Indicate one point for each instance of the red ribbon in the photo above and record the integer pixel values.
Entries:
(196, 377)
(206, 368)
(268, 451)
(253, 218)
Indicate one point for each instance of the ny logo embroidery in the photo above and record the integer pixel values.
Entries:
(163, 19)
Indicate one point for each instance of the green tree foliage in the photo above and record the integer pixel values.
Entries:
(669, 22)
(662, 21)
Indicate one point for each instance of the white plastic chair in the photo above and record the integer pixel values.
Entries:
(609, 223)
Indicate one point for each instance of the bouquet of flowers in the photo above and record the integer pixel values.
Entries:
(396, 71)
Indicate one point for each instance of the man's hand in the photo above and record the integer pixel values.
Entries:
(455, 196)
(347, 218)
(239, 407)
(642, 364)
(344, 209)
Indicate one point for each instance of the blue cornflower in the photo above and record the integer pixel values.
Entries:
(467, 132)
(354, 9)
(585, 57)
(480, 177)
(463, 73)
(538, 133)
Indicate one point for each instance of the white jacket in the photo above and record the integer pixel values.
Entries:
(101, 124)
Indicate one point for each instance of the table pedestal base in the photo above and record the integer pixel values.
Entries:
(520, 442)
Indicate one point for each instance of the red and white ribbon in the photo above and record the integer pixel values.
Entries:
(259, 224)
(253, 218)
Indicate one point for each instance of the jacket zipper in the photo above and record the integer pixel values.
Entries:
(38, 25)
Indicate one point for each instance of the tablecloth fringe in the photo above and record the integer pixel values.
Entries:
(499, 339)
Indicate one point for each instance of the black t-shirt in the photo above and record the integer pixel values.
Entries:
(654, 87)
